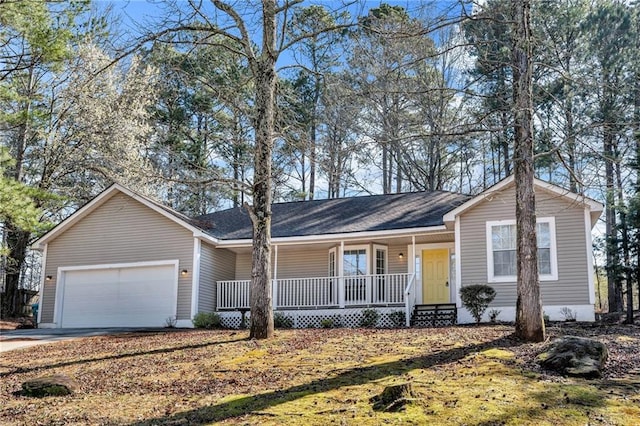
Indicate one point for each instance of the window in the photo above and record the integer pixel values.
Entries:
(501, 250)
(380, 260)
(332, 263)
(355, 262)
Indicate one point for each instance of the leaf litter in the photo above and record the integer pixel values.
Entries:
(461, 375)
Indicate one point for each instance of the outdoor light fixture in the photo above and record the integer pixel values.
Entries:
(49, 277)
(400, 256)
(184, 272)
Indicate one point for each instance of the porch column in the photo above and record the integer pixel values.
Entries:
(274, 283)
(409, 303)
(341, 275)
(413, 253)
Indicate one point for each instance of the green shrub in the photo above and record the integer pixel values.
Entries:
(327, 323)
(397, 318)
(476, 298)
(369, 318)
(207, 320)
(280, 320)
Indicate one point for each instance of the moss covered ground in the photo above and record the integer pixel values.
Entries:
(459, 375)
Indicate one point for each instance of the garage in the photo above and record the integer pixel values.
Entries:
(127, 295)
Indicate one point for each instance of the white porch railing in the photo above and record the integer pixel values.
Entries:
(307, 292)
(409, 299)
(233, 294)
(321, 292)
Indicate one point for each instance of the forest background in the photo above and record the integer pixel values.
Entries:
(406, 96)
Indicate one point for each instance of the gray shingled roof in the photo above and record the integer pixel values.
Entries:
(342, 215)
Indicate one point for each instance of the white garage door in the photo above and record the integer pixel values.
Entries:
(140, 296)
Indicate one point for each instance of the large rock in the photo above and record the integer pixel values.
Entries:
(58, 385)
(575, 356)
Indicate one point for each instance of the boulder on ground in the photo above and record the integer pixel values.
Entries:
(393, 398)
(58, 385)
(575, 356)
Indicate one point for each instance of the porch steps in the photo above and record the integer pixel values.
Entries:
(440, 315)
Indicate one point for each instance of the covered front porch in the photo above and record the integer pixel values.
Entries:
(342, 279)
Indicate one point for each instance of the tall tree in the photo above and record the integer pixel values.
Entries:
(390, 71)
(634, 205)
(254, 32)
(489, 34)
(33, 43)
(563, 45)
(317, 55)
(609, 28)
(339, 139)
(71, 125)
(202, 122)
(529, 321)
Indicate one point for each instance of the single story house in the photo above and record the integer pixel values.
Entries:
(126, 260)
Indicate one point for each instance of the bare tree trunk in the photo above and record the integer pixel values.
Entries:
(263, 68)
(303, 174)
(529, 321)
(570, 139)
(614, 301)
(313, 158)
(17, 242)
(636, 135)
(312, 162)
(626, 266)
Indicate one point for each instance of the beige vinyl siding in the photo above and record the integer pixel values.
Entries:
(572, 285)
(292, 263)
(306, 262)
(215, 265)
(395, 264)
(122, 230)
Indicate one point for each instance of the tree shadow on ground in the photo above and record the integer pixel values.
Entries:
(583, 400)
(20, 370)
(351, 377)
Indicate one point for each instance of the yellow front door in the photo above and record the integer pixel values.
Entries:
(435, 276)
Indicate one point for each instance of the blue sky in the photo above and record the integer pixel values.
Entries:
(148, 10)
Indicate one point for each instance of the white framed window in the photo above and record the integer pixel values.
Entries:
(501, 250)
(333, 266)
(356, 261)
(380, 260)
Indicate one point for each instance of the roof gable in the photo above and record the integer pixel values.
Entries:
(105, 196)
(595, 207)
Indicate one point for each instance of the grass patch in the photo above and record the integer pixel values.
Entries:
(478, 376)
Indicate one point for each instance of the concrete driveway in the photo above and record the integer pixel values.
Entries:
(16, 339)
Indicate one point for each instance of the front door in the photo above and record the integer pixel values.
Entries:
(435, 276)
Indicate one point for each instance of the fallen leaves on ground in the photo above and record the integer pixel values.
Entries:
(462, 375)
